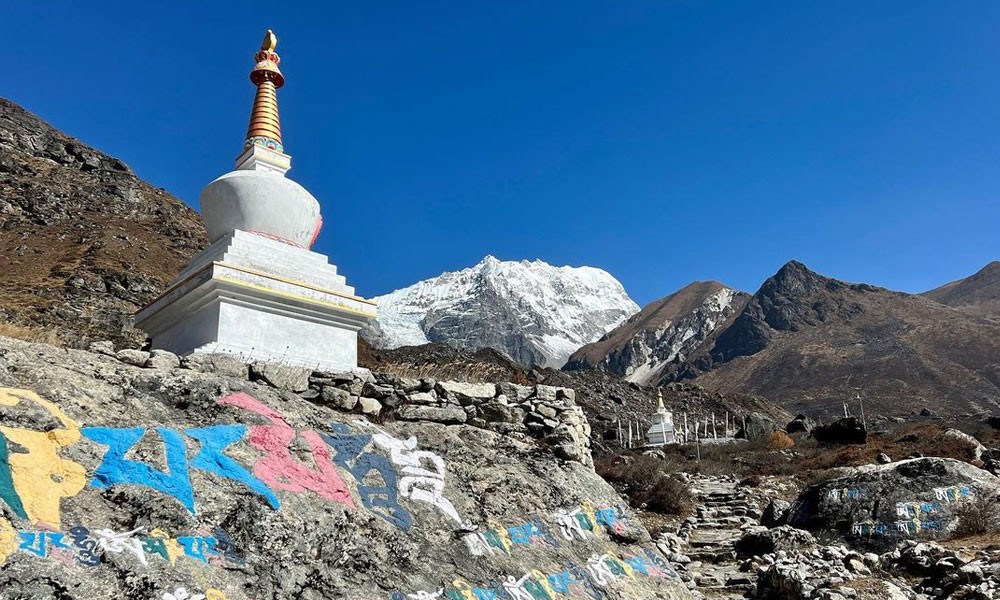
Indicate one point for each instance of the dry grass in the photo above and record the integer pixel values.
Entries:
(37, 335)
(779, 440)
(978, 516)
(646, 484)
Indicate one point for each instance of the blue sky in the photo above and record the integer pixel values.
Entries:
(663, 141)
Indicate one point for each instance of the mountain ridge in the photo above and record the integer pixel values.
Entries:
(805, 339)
(978, 294)
(662, 332)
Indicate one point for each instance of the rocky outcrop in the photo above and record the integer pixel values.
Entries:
(756, 426)
(84, 241)
(159, 482)
(879, 504)
(534, 313)
(663, 332)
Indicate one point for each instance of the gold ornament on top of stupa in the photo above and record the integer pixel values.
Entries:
(265, 128)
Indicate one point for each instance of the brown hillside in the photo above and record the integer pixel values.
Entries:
(806, 341)
(83, 241)
(978, 294)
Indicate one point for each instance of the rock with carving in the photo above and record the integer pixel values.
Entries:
(121, 481)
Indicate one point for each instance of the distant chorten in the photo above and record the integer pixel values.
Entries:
(258, 292)
(661, 432)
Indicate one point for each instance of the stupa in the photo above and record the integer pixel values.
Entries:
(661, 432)
(258, 291)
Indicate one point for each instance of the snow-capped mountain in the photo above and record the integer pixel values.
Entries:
(534, 312)
(665, 331)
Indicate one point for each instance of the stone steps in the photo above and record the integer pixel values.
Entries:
(724, 511)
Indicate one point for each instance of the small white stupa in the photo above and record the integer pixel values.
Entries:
(258, 292)
(661, 432)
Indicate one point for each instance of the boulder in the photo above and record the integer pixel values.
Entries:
(757, 426)
(370, 406)
(761, 540)
(282, 377)
(104, 347)
(800, 424)
(225, 365)
(848, 430)
(914, 498)
(976, 449)
(136, 358)
(163, 359)
(338, 398)
(775, 513)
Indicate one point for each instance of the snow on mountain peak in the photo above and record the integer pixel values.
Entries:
(534, 312)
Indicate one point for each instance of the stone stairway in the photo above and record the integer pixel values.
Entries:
(724, 511)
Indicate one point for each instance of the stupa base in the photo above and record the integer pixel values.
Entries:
(260, 300)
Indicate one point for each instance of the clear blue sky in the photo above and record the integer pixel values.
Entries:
(662, 141)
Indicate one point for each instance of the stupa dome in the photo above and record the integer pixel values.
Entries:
(262, 202)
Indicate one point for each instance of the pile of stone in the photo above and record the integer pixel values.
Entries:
(944, 573)
(541, 412)
(822, 573)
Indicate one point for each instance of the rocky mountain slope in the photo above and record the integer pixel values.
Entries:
(84, 241)
(195, 483)
(805, 340)
(663, 332)
(978, 294)
(533, 312)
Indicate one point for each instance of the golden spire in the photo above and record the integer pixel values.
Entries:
(265, 129)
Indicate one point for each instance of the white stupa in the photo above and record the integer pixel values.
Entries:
(661, 432)
(258, 292)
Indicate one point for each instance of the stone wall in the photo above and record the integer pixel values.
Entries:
(544, 413)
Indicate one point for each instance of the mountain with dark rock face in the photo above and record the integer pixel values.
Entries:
(84, 242)
(807, 341)
(664, 332)
(978, 294)
(533, 312)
